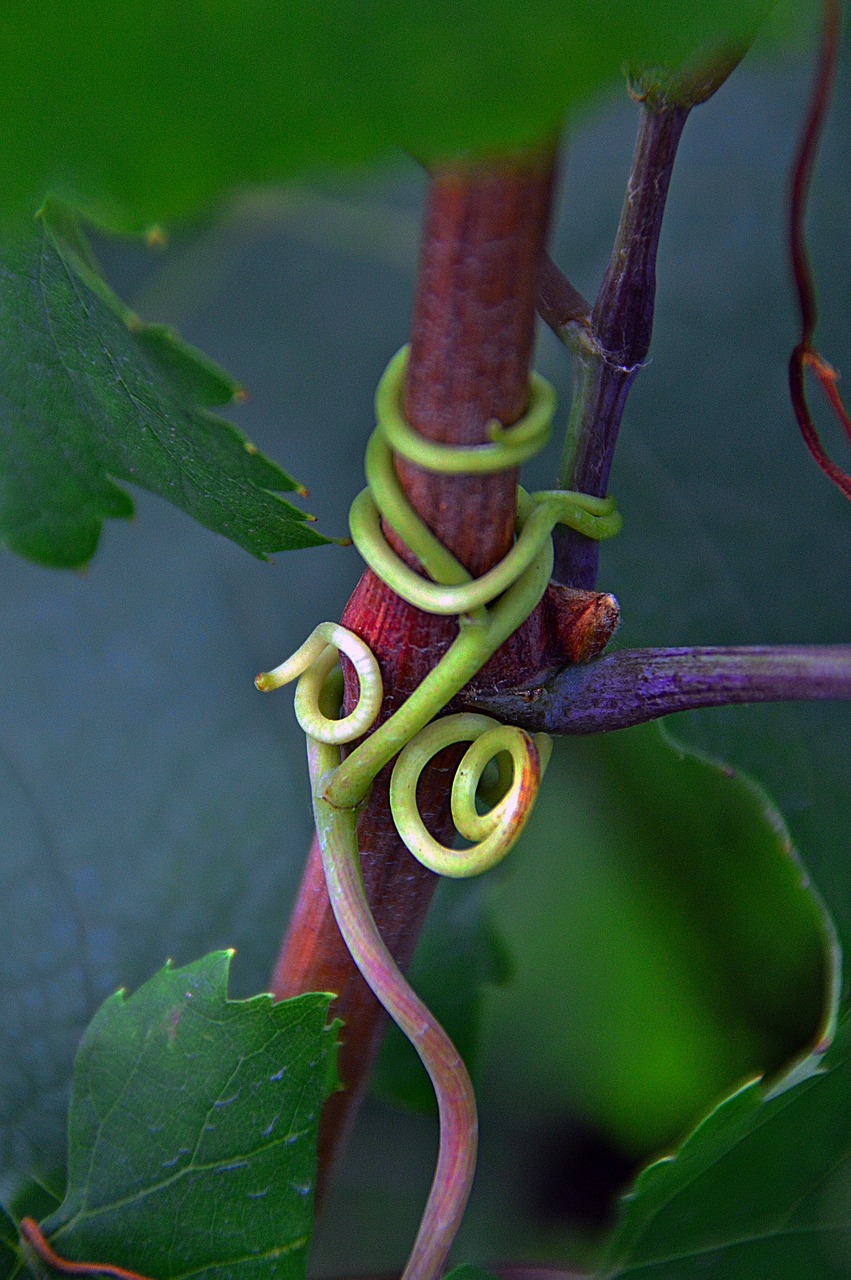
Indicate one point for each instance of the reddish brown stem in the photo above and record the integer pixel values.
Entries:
(471, 345)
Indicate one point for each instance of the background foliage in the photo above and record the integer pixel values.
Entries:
(155, 807)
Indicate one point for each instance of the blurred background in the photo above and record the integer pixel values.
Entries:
(154, 806)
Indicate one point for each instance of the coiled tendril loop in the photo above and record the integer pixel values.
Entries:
(493, 833)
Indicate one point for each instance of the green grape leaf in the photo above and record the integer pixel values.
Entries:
(192, 1131)
(759, 1191)
(459, 954)
(91, 395)
(164, 107)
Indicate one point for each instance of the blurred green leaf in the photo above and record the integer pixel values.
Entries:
(9, 1256)
(759, 1191)
(91, 394)
(192, 1132)
(164, 107)
(458, 955)
(666, 941)
(466, 1271)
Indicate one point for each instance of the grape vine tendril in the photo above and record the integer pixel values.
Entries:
(489, 610)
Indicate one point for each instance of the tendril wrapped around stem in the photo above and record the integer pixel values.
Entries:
(489, 609)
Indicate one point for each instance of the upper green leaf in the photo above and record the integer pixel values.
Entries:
(192, 1133)
(759, 1191)
(150, 114)
(91, 394)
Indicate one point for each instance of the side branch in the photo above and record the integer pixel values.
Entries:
(635, 685)
(608, 352)
(610, 344)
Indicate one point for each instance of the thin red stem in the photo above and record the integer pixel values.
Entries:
(32, 1236)
(804, 355)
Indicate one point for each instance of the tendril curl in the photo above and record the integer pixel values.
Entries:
(489, 609)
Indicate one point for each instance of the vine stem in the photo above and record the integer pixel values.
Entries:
(610, 341)
(609, 346)
(487, 610)
(471, 345)
(632, 686)
(34, 1244)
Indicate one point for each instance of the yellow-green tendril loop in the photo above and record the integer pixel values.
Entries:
(492, 833)
(311, 664)
(489, 609)
(537, 516)
(510, 445)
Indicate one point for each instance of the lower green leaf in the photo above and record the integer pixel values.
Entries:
(761, 1190)
(192, 1133)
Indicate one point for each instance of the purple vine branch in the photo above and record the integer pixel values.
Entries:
(608, 351)
(632, 686)
(610, 342)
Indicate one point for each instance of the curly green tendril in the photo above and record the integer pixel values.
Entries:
(488, 609)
